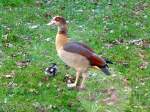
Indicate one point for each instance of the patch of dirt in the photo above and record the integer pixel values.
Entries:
(144, 43)
(140, 7)
(112, 97)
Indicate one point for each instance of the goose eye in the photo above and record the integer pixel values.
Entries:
(56, 19)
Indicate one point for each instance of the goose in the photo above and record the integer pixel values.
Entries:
(75, 54)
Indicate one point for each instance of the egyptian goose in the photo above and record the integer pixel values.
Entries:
(75, 54)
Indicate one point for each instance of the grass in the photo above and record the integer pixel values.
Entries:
(25, 36)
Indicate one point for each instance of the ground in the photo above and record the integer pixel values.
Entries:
(118, 30)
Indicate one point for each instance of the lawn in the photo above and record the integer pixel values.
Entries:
(116, 29)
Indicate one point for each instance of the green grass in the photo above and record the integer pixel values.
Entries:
(98, 24)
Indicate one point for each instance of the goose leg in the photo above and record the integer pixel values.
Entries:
(84, 77)
(76, 81)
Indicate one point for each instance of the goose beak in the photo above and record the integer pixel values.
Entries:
(51, 23)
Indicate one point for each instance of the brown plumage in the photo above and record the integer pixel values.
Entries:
(75, 54)
(85, 51)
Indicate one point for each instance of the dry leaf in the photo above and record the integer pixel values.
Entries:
(69, 79)
(140, 42)
(10, 75)
(22, 64)
(143, 65)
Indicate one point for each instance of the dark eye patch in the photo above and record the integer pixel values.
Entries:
(57, 19)
(60, 20)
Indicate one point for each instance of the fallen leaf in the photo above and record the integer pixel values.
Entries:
(10, 75)
(69, 79)
(143, 65)
(23, 64)
(138, 42)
